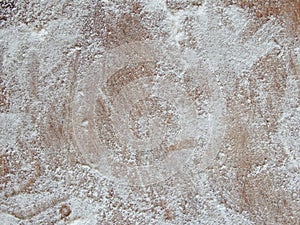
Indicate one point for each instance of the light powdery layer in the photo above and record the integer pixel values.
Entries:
(149, 112)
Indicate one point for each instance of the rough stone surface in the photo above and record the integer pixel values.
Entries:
(149, 112)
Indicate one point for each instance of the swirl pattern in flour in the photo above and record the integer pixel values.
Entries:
(143, 110)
